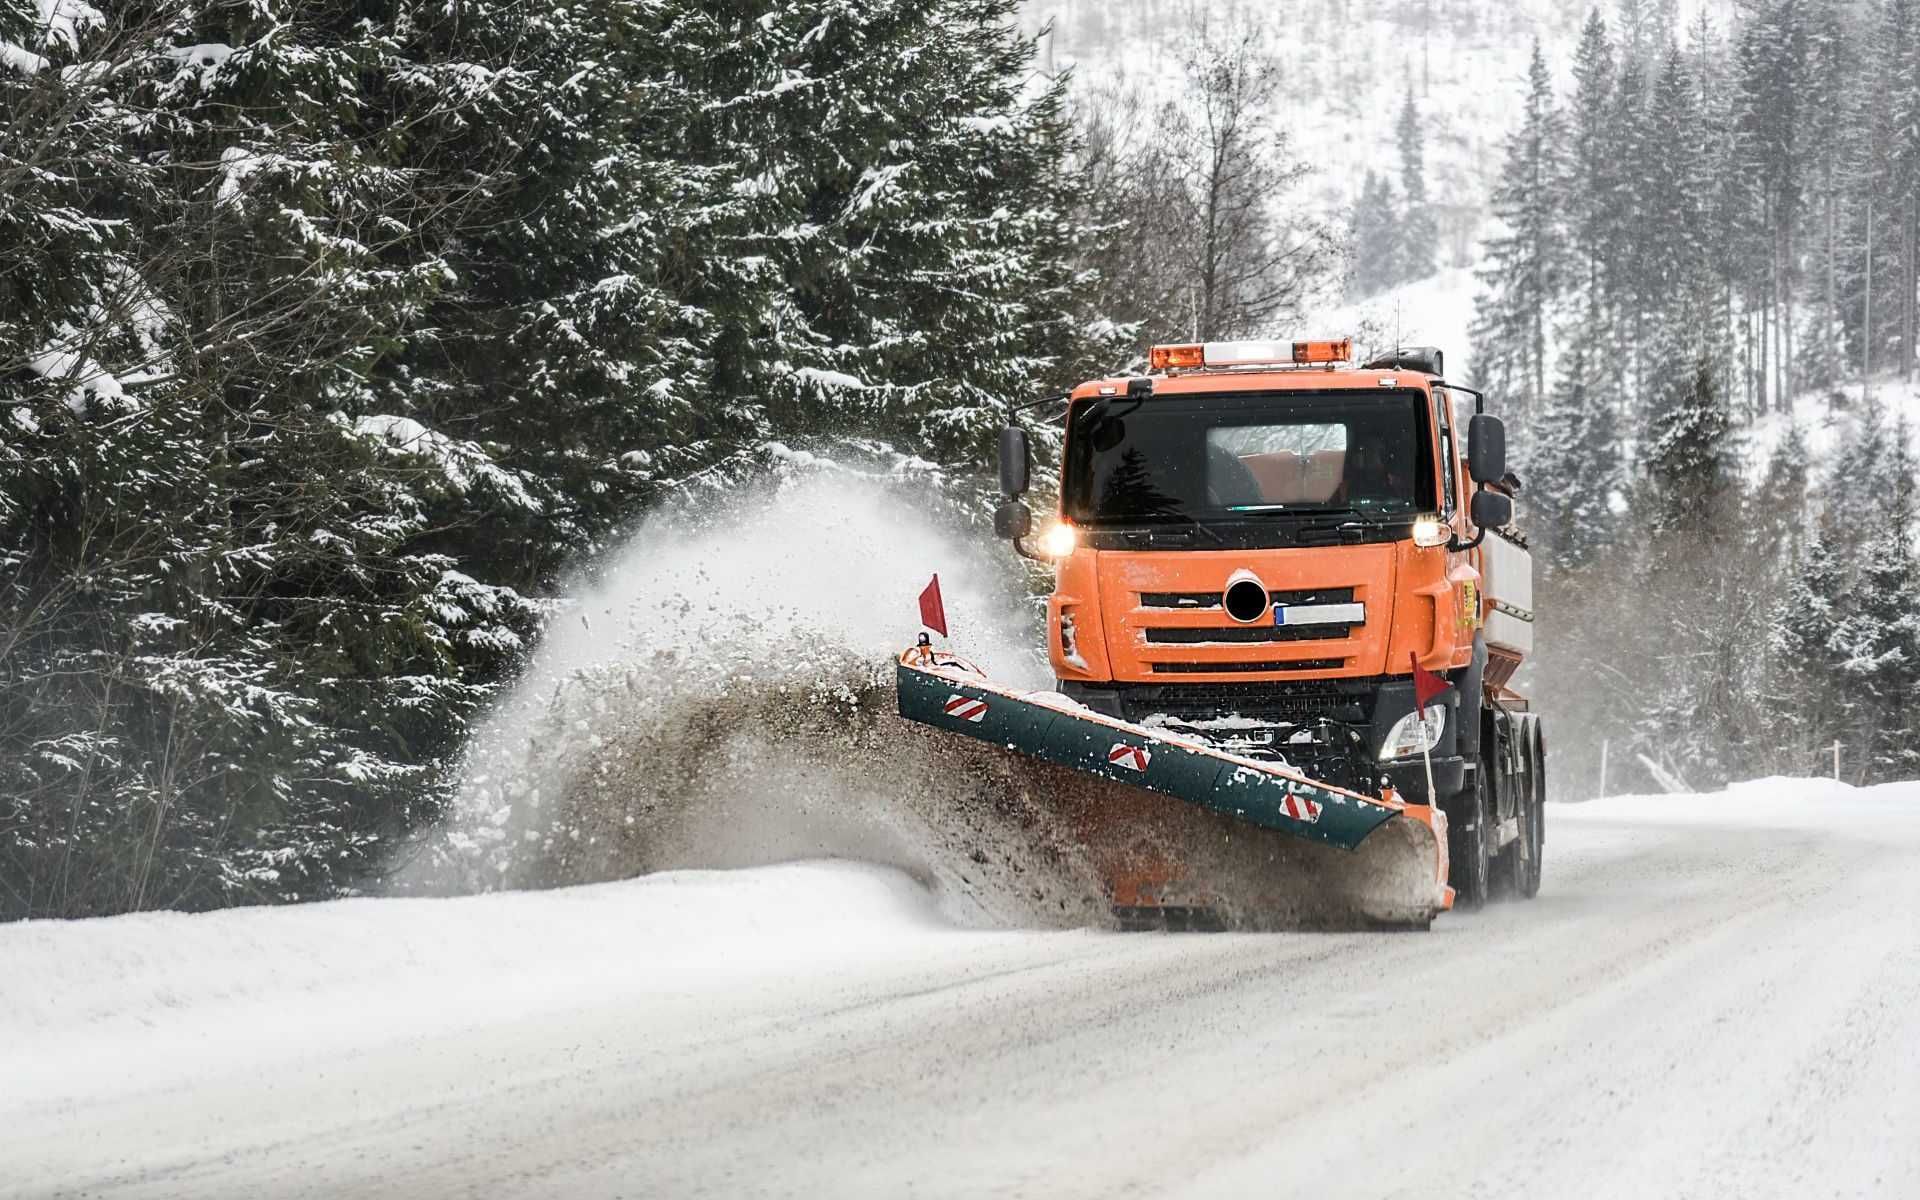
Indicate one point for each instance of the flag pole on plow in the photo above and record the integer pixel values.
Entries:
(933, 615)
(1426, 686)
(933, 609)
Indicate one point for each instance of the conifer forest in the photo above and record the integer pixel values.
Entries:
(337, 338)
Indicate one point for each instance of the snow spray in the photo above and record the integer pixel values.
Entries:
(719, 694)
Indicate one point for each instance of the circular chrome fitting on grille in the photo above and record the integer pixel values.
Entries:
(1246, 598)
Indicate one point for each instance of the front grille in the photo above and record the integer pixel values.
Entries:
(1248, 635)
(1315, 596)
(1279, 701)
(1187, 600)
(1190, 601)
(1246, 668)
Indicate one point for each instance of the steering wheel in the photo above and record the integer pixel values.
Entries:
(1229, 483)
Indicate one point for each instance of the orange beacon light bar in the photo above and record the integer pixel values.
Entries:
(1162, 358)
(1323, 352)
(1248, 354)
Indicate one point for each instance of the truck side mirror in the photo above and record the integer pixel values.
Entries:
(1012, 521)
(1491, 510)
(1016, 461)
(1486, 449)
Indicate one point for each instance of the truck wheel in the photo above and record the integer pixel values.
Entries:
(1469, 865)
(1520, 861)
(1537, 801)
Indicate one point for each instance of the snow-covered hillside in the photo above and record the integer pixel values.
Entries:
(1435, 311)
(1823, 420)
(1347, 66)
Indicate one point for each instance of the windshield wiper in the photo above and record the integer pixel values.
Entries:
(1157, 526)
(1355, 524)
(1194, 523)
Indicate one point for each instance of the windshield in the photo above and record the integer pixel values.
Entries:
(1243, 457)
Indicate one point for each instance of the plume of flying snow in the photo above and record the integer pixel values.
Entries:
(719, 694)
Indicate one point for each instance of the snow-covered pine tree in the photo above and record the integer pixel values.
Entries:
(601, 326)
(243, 662)
(1777, 513)
(1373, 237)
(1773, 63)
(1803, 691)
(1870, 628)
(920, 230)
(1876, 178)
(1831, 85)
(1690, 449)
(1879, 646)
(1900, 197)
(1577, 456)
(1417, 233)
(1630, 269)
(1639, 37)
(1694, 593)
(1859, 479)
(1667, 189)
(1593, 193)
(1526, 262)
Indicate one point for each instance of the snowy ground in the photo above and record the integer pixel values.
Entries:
(1713, 996)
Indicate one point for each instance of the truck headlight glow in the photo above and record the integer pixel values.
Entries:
(1059, 541)
(1414, 734)
(1430, 532)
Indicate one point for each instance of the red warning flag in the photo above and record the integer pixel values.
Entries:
(933, 611)
(1426, 685)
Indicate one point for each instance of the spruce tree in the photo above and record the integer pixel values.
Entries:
(1417, 232)
(1690, 447)
(1373, 235)
(1805, 688)
(1667, 195)
(1576, 462)
(1593, 194)
(1631, 287)
(1879, 641)
(1526, 263)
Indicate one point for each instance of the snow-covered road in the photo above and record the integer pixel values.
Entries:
(1714, 996)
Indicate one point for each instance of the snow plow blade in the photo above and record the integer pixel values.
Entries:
(1253, 845)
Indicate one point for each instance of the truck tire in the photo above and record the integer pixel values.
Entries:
(1469, 826)
(1519, 866)
(1537, 828)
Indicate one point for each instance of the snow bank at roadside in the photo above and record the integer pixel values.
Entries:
(160, 993)
(1763, 803)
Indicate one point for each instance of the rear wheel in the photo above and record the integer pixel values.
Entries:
(1520, 861)
(1469, 862)
(1537, 797)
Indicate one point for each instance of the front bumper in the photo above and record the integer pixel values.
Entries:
(1365, 709)
(1409, 777)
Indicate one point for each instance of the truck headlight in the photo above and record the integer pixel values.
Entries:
(1414, 734)
(1059, 541)
(1430, 532)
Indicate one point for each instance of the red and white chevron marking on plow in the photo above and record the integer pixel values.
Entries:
(1300, 808)
(967, 709)
(1133, 758)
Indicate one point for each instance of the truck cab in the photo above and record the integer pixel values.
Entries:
(1255, 545)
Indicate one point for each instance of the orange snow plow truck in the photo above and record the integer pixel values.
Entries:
(1259, 551)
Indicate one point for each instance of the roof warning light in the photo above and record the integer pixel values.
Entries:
(1220, 355)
